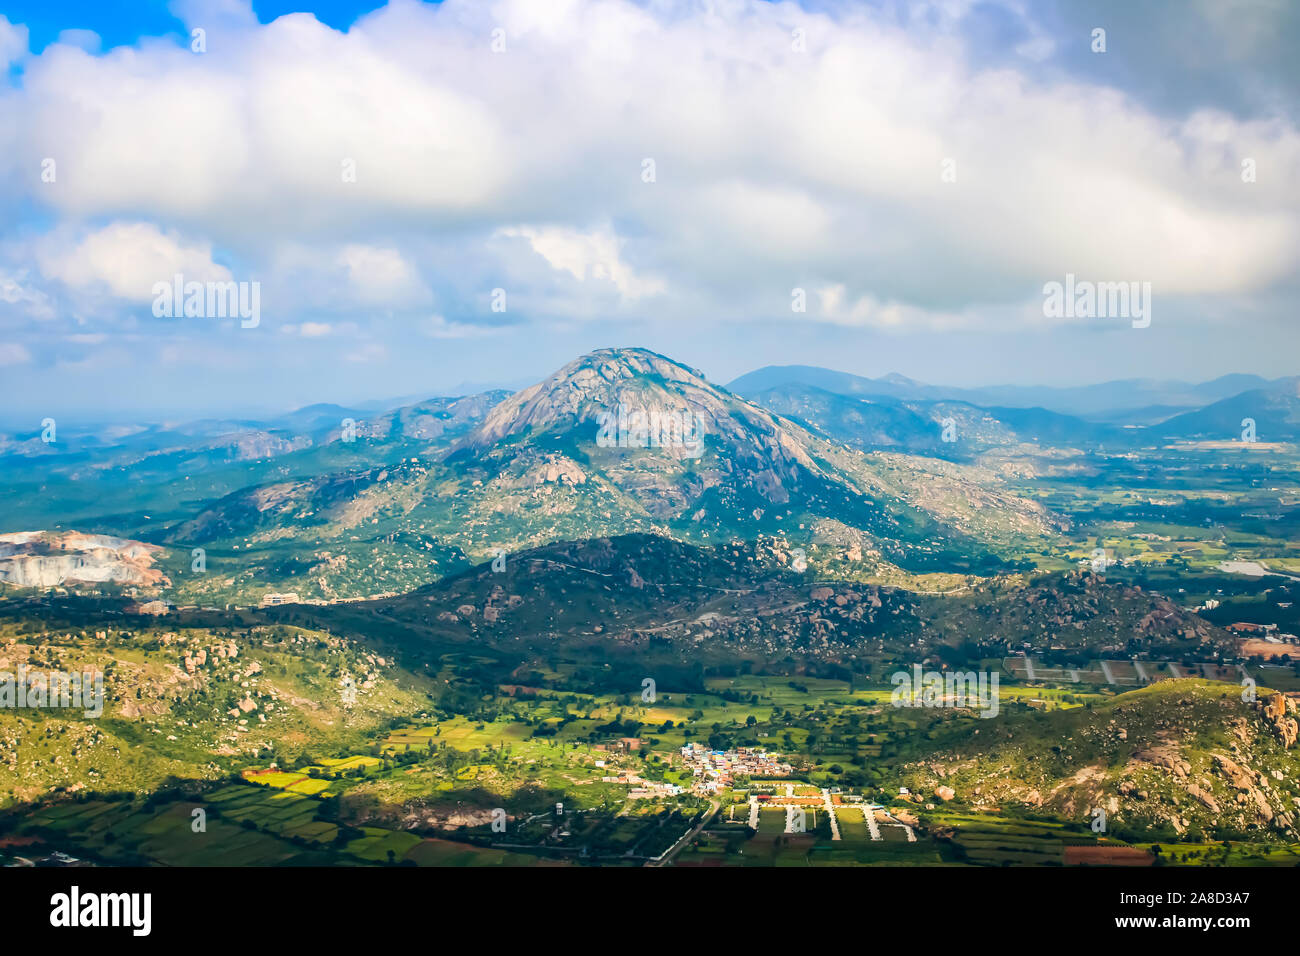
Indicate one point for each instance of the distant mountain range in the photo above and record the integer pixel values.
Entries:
(1108, 398)
(896, 413)
(200, 445)
(888, 413)
(619, 441)
(1274, 410)
(919, 427)
(898, 478)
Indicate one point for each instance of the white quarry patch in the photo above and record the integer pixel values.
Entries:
(43, 559)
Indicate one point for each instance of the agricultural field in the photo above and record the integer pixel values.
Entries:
(467, 762)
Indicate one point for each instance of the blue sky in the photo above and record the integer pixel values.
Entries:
(427, 195)
(123, 22)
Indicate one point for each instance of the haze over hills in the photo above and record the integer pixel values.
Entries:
(1275, 411)
(205, 442)
(1091, 400)
(478, 561)
(887, 413)
(331, 502)
(919, 427)
(619, 441)
(894, 412)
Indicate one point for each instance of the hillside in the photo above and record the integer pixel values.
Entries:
(949, 429)
(1183, 758)
(643, 597)
(189, 703)
(1275, 411)
(618, 442)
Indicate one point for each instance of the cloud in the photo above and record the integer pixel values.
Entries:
(208, 13)
(13, 43)
(438, 327)
(128, 258)
(380, 275)
(403, 166)
(87, 40)
(19, 291)
(587, 257)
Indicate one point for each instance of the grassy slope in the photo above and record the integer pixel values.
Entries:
(1152, 757)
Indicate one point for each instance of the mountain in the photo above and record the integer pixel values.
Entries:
(741, 470)
(1044, 426)
(641, 593)
(827, 380)
(860, 422)
(620, 441)
(185, 703)
(610, 406)
(636, 595)
(142, 481)
(435, 419)
(527, 560)
(1184, 756)
(1087, 400)
(918, 427)
(1274, 410)
(166, 448)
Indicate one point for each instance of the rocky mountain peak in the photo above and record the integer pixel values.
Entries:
(601, 382)
(617, 401)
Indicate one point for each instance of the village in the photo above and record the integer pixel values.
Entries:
(764, 789)
(715, 769)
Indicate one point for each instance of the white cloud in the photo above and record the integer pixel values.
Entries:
(127, 258)
(774, 168)
(866, 310)
(209, 13)
(380, 275)
(13, 42)
(587, 256)
(18, 290)
(438, 327)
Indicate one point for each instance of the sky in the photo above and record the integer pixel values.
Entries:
(428, 198)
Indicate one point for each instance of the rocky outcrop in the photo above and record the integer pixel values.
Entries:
(637, 399)
(1203, 796)
(1244, 780)
(1165, 756)
(1277, 712)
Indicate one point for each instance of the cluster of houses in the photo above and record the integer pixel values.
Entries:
(1268, 632)
(715, 769)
